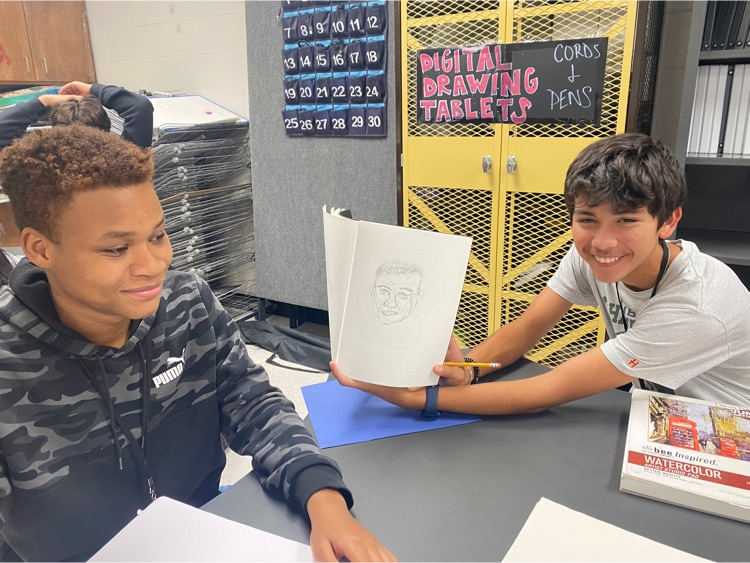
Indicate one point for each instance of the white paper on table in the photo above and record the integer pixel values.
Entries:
(554, 532)
(393, 294)
(172, 531)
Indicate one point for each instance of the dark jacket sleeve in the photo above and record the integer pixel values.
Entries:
(258, 420)
(15, 120)
(136, 111)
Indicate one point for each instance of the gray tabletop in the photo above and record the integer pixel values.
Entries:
(464, 493)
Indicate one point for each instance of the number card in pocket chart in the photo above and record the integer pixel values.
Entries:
(334, 60)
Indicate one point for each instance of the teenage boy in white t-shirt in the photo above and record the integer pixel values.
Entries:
(675, 317)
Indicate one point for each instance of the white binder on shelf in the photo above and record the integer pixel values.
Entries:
(744, 115)
(699, 105)
(737, 114)
(717, 84)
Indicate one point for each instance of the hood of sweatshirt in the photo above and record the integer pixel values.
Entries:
(84, 420)
(26, 304)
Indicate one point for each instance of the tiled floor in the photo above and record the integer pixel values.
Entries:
(290, 381)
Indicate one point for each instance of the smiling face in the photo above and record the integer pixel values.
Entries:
(621, 246)
(109, 261)
(395, 296)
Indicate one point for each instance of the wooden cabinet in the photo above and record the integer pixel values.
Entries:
(44, 42)
(16, 59)
(9, 235)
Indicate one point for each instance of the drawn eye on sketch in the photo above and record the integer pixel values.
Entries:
(396, 291)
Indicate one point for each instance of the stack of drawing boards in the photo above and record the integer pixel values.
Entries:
(212, 235)
(202, 177)
(393, 294)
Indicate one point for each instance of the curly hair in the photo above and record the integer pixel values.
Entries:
(88, 111)
(42, 171)
(628, 171)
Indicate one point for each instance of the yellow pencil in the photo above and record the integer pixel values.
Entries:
(472, 364)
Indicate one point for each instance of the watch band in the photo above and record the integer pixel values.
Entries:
(431, 402)
(475, 369)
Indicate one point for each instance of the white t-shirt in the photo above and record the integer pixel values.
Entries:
(693, 336)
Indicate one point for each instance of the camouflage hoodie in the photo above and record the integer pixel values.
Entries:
(66, 484)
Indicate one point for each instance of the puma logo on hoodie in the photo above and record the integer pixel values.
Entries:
(174, 370)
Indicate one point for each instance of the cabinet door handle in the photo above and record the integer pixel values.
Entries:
(44, 60)
(486, 164)
(28, 68)
(512, 165)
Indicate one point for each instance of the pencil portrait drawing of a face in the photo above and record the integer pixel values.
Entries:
(396, 291)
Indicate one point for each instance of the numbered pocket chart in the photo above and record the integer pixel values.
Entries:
(334, 60)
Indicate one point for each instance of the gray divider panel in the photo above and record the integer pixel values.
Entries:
(294, 177)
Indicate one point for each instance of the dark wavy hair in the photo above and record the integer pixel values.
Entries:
(44, 169)
(88, 111)
(628, 171)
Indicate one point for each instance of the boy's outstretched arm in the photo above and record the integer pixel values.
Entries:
(587, 374)
(336, 535)
(513, 340)
(584, 375)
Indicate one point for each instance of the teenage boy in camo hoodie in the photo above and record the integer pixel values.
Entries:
(118, 377)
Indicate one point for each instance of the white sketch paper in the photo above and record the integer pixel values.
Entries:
(393, 294)
(168, 530)
(554, 532)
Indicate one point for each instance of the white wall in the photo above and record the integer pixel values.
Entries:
(196, 47)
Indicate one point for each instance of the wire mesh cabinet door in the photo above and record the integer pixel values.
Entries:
(502, 184)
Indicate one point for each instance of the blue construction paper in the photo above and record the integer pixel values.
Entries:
(341, 415)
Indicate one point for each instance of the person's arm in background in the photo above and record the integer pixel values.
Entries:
(136, 111)
(512, 341)
(15, 119)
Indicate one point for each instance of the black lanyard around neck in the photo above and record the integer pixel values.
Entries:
(662, 271)
(138, 449)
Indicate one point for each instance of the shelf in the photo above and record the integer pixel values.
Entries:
(719, 160)
(726, 55)
(728, 246)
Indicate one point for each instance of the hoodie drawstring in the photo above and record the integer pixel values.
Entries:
(115, 420)
(147, 361)
(107, 398)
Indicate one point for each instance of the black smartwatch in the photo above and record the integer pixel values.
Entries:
(430, 409)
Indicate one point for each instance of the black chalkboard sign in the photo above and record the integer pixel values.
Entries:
(534, 82)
